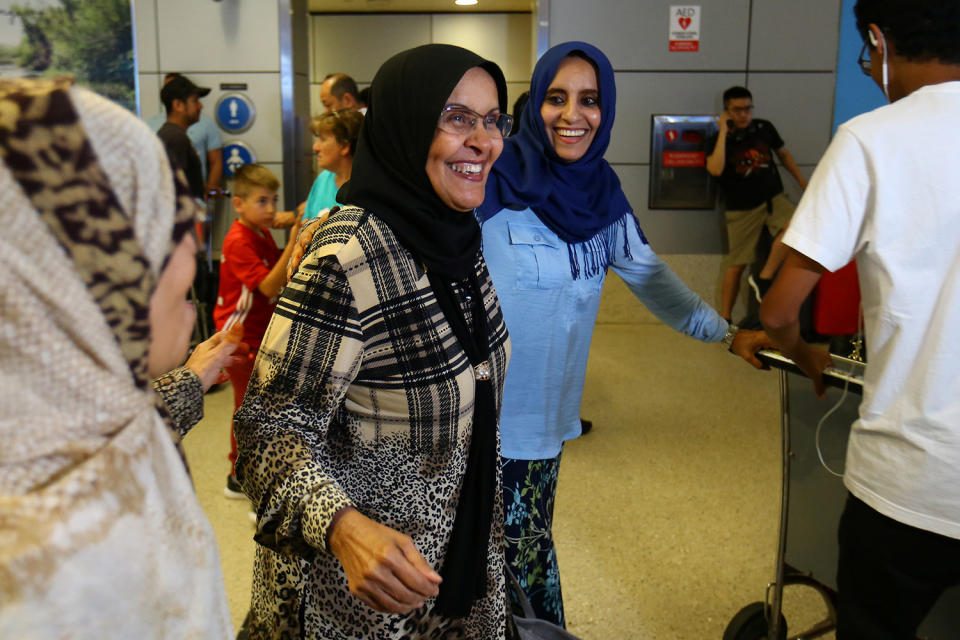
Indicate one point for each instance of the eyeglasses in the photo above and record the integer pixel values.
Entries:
(459, 120)
(747, 109)
(863, 60)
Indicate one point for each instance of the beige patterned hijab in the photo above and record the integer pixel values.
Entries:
(100, 532)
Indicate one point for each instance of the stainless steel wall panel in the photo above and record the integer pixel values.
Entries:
(788, 35)
(800, 105)
(635, 33)
(639, 95)
(674, 231)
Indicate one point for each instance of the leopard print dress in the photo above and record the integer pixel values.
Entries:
(361, 396)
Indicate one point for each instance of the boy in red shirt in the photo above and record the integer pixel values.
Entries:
(252, 273)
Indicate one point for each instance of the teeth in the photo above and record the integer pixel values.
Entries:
(467, 168)
(571, 133)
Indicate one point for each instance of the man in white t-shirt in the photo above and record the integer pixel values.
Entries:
(887, 193)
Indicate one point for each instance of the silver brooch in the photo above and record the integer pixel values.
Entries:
(483, 371)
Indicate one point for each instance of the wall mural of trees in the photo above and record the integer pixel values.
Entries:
(89, 39)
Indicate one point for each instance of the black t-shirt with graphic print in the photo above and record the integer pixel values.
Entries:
(750, 176)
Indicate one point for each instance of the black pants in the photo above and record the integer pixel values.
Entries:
(889, 574)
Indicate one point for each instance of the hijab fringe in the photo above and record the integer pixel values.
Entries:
(592, 257)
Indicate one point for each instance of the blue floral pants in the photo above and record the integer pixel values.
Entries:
(529, 489)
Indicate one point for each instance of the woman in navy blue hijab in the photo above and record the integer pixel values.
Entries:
(554, 220)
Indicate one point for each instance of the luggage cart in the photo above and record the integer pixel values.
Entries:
(765, 620)
(810, 506)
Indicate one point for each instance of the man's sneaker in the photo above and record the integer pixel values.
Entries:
(233, 489)
(759, 285)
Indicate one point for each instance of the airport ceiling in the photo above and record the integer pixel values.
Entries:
(417, 6)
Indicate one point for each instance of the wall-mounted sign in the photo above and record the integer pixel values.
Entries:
(679, 146)
(684, 32)
(235, 155)
(235, 112)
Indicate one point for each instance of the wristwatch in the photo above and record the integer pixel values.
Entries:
(727, 340)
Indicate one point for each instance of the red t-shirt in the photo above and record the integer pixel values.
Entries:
(248, 257)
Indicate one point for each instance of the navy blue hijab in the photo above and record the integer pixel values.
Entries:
(579, 201)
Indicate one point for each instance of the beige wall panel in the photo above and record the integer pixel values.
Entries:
(502, 37)
(218, 36)
(358, 44)
(514, 89)
(149, 94)
(145, 26)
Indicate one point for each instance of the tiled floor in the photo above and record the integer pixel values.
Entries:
(666, 518)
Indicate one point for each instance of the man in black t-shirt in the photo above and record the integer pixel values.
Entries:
(182, 101)
(753, 194)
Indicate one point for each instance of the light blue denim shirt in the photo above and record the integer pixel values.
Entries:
(550, 317)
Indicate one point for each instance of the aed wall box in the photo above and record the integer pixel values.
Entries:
(678, 157)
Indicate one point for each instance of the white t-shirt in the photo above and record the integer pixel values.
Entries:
(888, 193)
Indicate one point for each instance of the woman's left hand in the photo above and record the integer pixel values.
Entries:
(222, 349)
(383, 567)
(302, 242)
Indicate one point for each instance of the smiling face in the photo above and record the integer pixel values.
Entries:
(458, 165)
(329, 151)
(571, 108)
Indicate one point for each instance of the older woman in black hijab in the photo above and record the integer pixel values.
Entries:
(368, 438)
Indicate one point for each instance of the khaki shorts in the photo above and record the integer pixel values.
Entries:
(745, 225)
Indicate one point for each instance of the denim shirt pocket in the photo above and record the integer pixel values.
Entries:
(541, 258)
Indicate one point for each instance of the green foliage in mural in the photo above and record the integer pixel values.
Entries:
(90, 39)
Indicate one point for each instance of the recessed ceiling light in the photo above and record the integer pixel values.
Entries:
(465, 2)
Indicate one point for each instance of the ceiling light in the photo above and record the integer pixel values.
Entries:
(464, 3)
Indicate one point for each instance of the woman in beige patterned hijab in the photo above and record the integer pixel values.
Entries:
(101, 535)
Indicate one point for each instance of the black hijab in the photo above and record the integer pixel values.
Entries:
(390, 180)
(389, 175)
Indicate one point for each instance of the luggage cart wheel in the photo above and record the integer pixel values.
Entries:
(751, 624)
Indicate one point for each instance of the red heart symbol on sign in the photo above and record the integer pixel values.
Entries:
(684, 22)
(671, 135)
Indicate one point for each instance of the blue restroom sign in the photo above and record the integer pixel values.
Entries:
(235, 112)
(235, 155)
